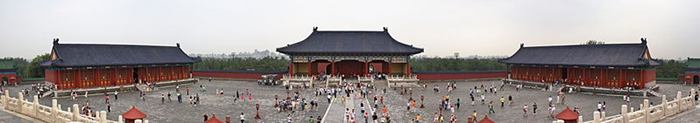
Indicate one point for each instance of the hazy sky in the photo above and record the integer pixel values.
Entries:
(441, 27)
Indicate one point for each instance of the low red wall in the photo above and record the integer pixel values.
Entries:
(460, 76)
(421, 76)
(229, 75)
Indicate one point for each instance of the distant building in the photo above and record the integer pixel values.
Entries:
(593, 65)
(349, 53)
(692, 71)
(74, 66)
(8, 72)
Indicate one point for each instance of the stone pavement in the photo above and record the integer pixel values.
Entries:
(221, 105)
(335, 112)
(6, 117)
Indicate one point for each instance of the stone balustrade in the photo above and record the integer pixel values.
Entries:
(647, 114)
(52, 114)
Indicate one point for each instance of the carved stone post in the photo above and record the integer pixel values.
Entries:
(596, 117)
(54, 110)
(35, 105)
(645, 109)
(103, 116)
(623, 113)
(664, 104)
(138, 121)
(76, 112)
(680, 101)
(20, 102)
(5, 98)
(692, 96)
(121, 119)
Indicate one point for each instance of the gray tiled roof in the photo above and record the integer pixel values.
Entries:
(379, 42)
(583, 55)
(109, 54)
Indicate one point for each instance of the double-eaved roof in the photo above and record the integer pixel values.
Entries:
(79, 55)
(350, 42)
(610, 55)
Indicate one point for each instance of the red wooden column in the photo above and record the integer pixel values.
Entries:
(405, 69)
(308, 68)
(114, 77)
(332, 67)
(291, 68)
(641, 79)
(366, 70)
(97, 78)
(389, 68)
(59, 80)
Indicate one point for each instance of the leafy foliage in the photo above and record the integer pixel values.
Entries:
(456, 65)
(33, 69)
(266, 64)
(670, 68)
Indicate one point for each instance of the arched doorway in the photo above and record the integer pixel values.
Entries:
(696, 79)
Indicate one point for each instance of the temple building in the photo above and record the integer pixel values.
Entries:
(692, 71)
(349, 53)
(77, 66)
(8, 72)
(593, 65)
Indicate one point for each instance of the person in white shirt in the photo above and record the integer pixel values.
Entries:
(242, 117)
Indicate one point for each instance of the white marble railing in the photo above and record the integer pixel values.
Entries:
(53, 114)
(401, 77)
(647, 114)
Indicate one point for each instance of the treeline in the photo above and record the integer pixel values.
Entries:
(25, 68)
(670, 68)
(276, 64)
(266, 64)
(456, 65)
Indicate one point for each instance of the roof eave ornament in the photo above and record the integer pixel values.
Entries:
(385, 29)
(522, 45)
(315, 28)
(644, 40)
(55, 41)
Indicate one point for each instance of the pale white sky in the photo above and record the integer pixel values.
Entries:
(441, 27)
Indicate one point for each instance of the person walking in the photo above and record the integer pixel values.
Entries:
(525, 110)
(510, 100)
(116, 97)
(179, 98)
(503, 101)
(491, 111)
(534, 108)
(242, 117)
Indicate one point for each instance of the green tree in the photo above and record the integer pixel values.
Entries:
(33, 69)
(670, 68)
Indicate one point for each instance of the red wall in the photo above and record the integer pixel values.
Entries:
(687, 78)
(104, 77)
(230, 75)
(460, 76)
(422, 76)
(11, 78)
(594, 77)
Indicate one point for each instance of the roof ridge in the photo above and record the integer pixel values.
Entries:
(139, 45)
(576, 45)
(344, 31)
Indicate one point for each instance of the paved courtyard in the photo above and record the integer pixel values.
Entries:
(174, 112)
(509, 113)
